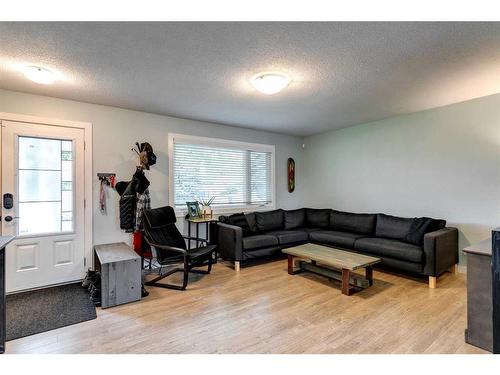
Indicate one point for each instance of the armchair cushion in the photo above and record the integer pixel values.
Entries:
(317, 217)
(295, 218)
(269, 220)
(352, 222)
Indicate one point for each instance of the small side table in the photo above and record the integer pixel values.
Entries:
(210, 236)
(120, 268)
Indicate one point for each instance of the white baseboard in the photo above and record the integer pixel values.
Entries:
(462, 269)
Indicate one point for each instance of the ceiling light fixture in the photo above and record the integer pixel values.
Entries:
(270, 83)
(39, 75)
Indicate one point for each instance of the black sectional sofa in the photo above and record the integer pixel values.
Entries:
(423, 246)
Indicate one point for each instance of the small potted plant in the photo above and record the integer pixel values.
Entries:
(205, 204)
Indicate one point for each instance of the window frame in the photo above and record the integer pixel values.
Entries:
(226, 143)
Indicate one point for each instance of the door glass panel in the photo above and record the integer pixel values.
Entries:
(39, 153)
(39, 186)
(45, 185)
(39, 218)
(67, 201)
(67, 171)
(67, 226)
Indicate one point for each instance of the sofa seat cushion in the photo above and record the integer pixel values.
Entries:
(332, 237)
(352, 222)
(265, 252)
(390, 248)
(400, 265)
(269, 220)
(259, 241)
(289, 236)
(309, 229)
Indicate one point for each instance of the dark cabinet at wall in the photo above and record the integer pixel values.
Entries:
(495, 271)
(4, 241)
(479, 330)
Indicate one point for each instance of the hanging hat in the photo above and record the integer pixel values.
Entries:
(151, 157)
(143, 158)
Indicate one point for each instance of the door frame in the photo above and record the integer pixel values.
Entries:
(87, 149)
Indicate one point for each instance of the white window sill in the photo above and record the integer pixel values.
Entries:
(181, 213)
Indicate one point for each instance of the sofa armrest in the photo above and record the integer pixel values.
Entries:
(230, 239)
(441, 251)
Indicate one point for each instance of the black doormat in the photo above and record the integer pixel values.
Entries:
(42, 310)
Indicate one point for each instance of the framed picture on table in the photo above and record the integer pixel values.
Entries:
(193, 209)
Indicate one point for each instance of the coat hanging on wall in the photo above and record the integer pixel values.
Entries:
(291, 175)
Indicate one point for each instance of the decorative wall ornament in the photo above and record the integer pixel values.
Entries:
(291, 175)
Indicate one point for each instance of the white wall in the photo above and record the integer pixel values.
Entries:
(442, 163)
(115, 132)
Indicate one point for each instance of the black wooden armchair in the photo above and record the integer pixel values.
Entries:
(165, 239)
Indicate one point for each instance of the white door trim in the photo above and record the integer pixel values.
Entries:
(87, 128)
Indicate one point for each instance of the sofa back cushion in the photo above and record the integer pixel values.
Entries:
(352, 222)
(238, 220)
(393, 227)
(269, 220)
(420, 227)
(317, 217)
(295, 218)
(252, 221)
(437, 224)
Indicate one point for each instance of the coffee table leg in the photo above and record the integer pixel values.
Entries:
(290, 264)
(345, 282)
(369, 274)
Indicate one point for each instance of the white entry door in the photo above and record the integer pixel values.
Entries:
(43, 170)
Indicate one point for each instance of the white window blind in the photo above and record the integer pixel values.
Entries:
(237, 174)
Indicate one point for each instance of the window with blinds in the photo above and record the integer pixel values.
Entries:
(237, 174)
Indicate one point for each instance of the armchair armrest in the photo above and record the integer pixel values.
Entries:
(441, 251)
(230, 242)
(165, 247)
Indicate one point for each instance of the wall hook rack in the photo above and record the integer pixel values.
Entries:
(108, 178)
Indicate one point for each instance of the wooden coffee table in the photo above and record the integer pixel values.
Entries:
(332, 263)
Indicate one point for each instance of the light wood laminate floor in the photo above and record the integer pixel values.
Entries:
(262, 309)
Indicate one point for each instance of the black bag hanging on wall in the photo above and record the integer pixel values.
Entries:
(128, 200)
(127, 208)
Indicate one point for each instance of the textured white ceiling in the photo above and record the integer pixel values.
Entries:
(343, 73)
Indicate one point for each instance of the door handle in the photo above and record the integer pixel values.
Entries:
(10, 218)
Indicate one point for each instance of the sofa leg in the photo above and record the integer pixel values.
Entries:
(432, 282)
(454, 269)
(237, 265)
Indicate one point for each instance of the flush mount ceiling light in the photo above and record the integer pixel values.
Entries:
(270, 83)
(39, 75)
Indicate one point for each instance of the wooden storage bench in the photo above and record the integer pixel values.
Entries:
(121, 278)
